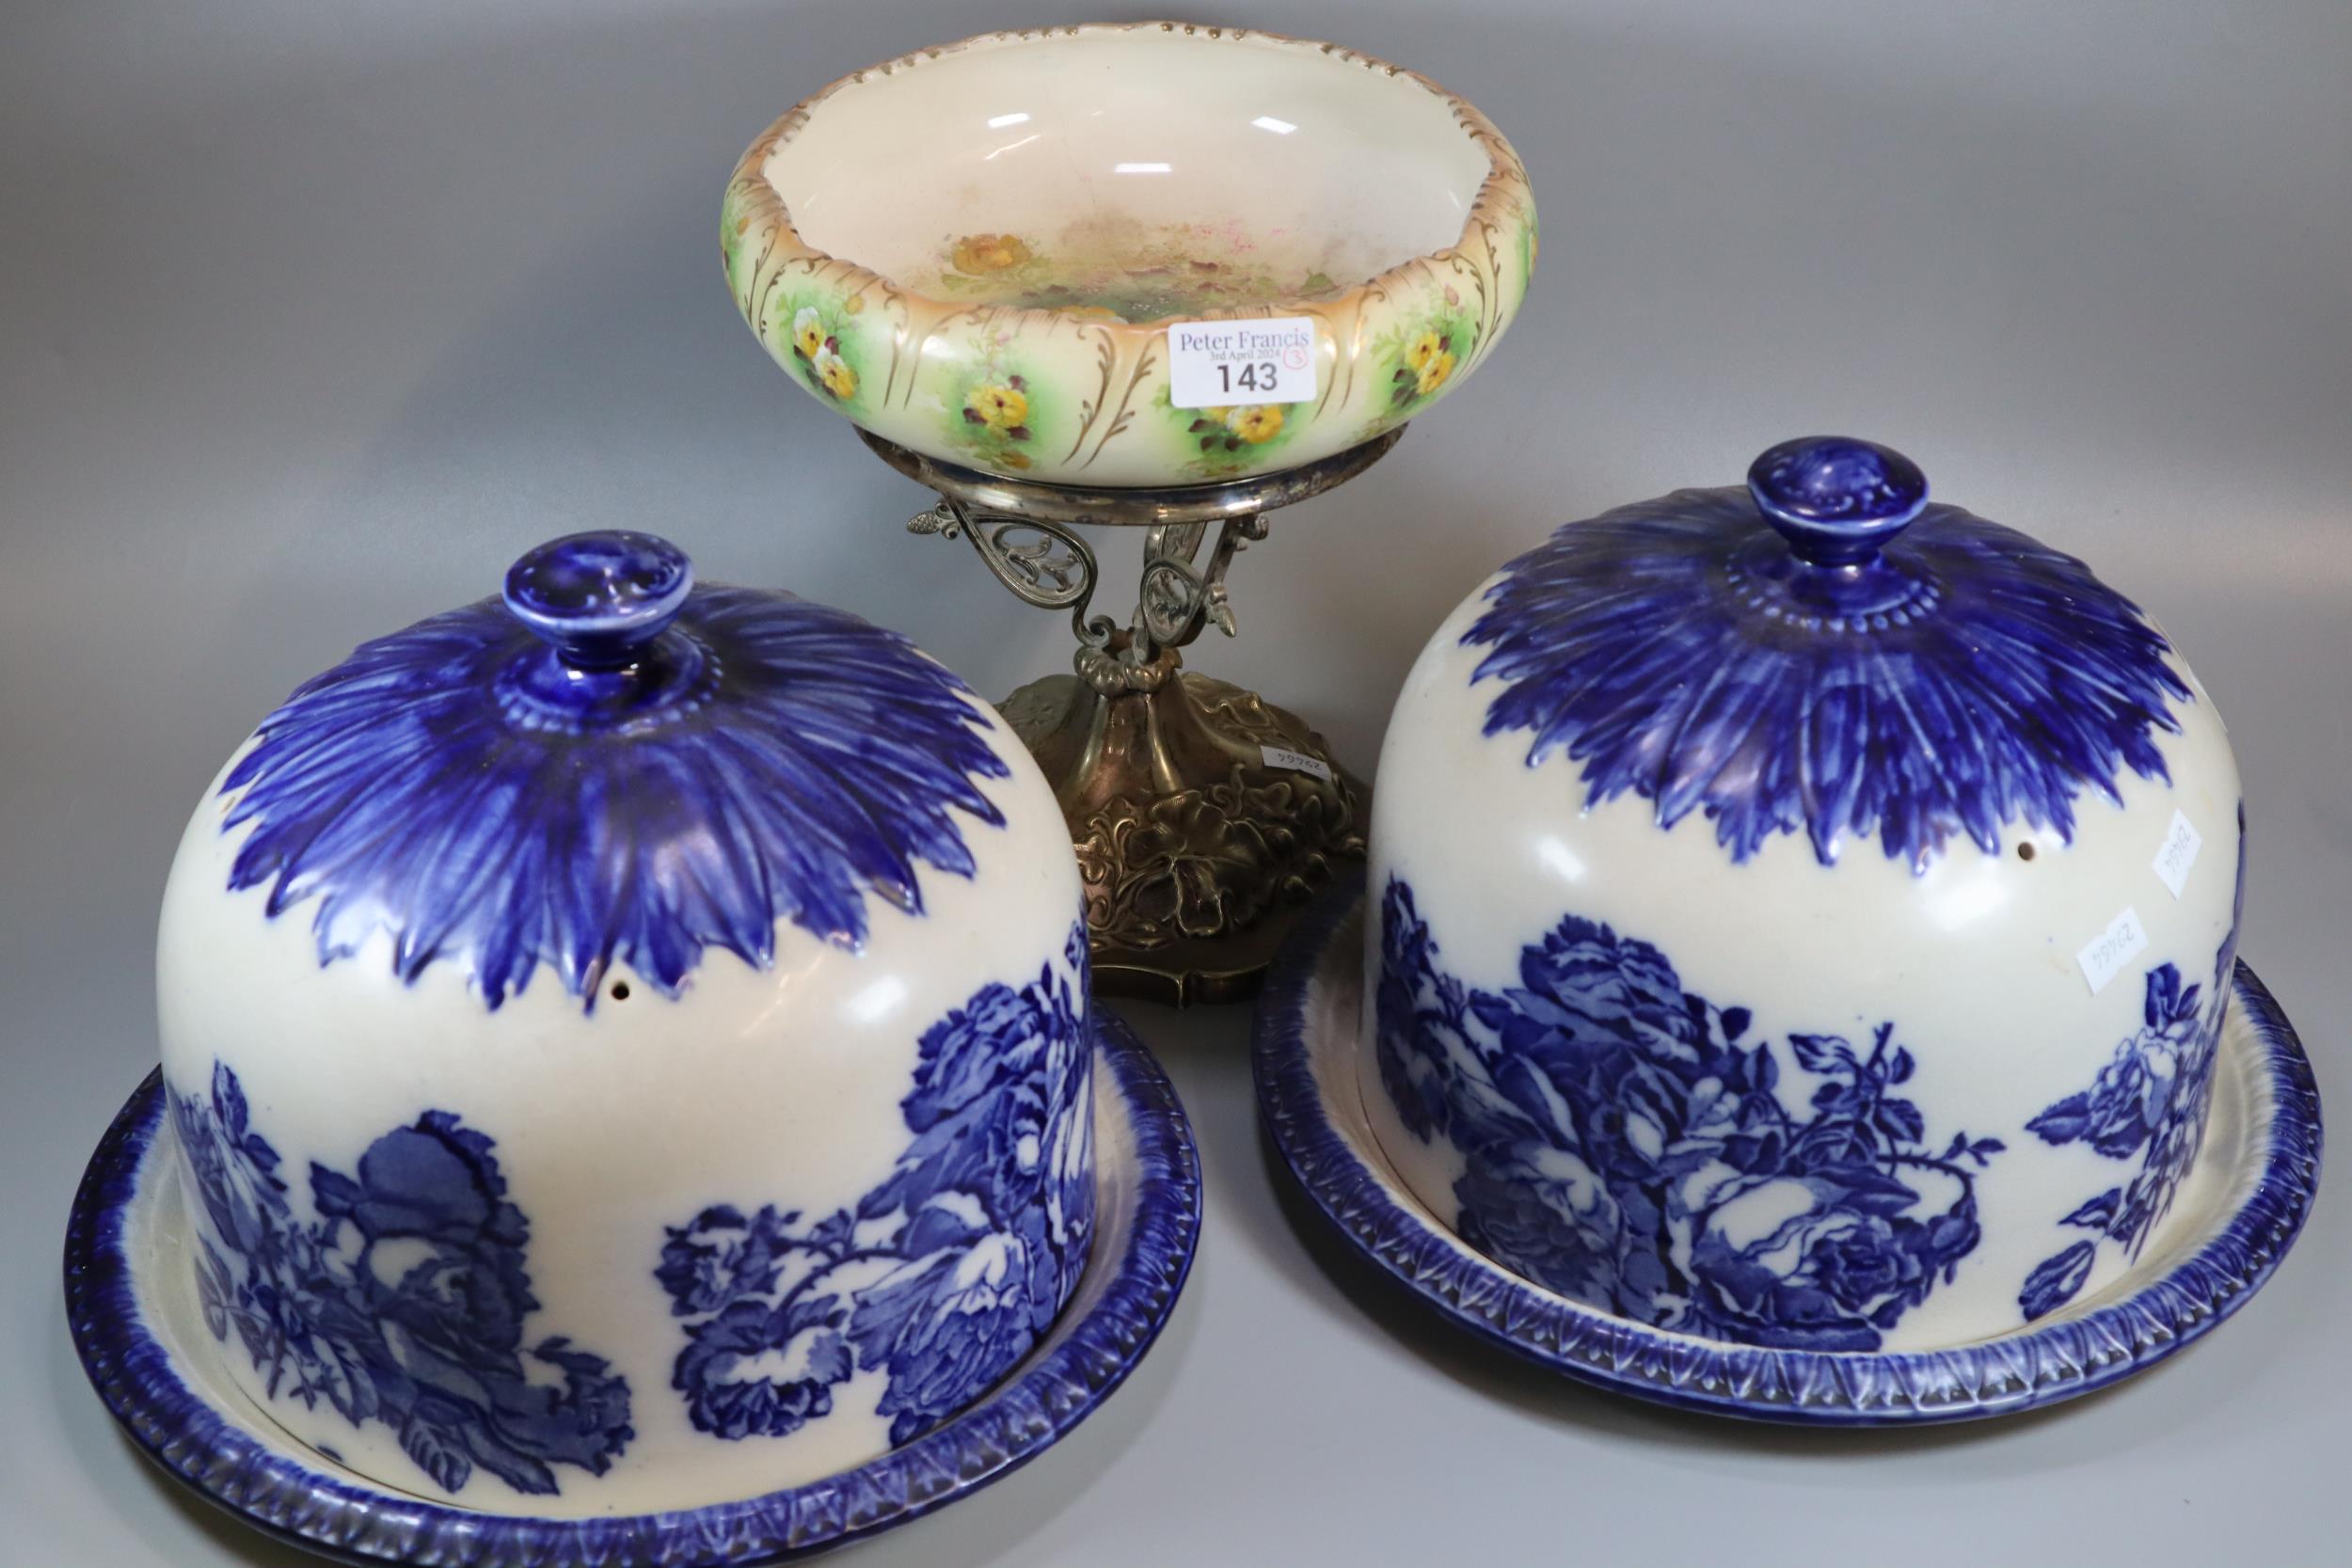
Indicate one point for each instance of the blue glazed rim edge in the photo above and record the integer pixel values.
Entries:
(2014, 1372)
(192, 1441)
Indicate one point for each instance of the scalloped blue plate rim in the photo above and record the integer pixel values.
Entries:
(2025, 1370)
(211, 1450)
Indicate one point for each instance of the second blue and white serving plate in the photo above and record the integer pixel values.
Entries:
(2233, 1220)
(142, 1335)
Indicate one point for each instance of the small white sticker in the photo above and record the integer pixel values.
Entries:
(1241, 365)
(2122, 940)
(2178, 853)
(1297, 762)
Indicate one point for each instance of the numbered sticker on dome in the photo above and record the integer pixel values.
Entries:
(2104, 958)
(1221, 364)
(2178, 853)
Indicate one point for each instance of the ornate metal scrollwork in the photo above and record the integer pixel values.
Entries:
(1203, 818)
(1043, 563)
(1024, 533)
(1047, 564)
(1178, 599)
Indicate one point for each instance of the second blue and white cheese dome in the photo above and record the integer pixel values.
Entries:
(1801, 915)
(628, 1045)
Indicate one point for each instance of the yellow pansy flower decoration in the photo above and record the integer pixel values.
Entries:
(809, 332)
(986, 253)
(1256, 424)
(1002, 407)
(1423, 349)
(833, 372)
(1434, 371)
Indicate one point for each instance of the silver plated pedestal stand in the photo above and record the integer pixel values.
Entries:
(1204, 817)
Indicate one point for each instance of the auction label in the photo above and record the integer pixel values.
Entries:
(1297, 762)
(1223, 364)
(2177, 852)
(2123, 940)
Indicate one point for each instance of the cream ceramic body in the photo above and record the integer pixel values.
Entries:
(624, 1112)
(2235, 1217)
(1965, 955)
(976, 251)
(153, 1361)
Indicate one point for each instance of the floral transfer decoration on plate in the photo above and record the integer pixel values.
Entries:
(1234, 439)
(1130, 272)
(1303, 1047)
(1417, 358)
(2149, 1103)
(403, 1302)
(942, 1277)
(826, 349)
(995, 410)
(140, 1353)
(1626, 1145)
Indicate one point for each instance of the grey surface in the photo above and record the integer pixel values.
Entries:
(312, 316)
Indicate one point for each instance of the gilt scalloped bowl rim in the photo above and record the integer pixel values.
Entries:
(213, 1449)
(1504, 180)
(2154, 1310)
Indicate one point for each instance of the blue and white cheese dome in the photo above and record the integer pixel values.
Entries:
(628, 1045)
(1801, 915)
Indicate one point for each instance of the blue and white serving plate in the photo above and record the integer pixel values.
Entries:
(2233, 1220)
(140, 1330)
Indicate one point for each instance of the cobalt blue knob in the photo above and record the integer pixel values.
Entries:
(1835, 499)
(600, 597)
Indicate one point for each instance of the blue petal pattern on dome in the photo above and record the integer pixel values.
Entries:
(401, 1303)
(2149, 1103)
(943, 1276)
(1622, 1146)
(1962, 678)
(461, 788)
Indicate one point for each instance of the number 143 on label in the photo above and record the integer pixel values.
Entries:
(1214, 364)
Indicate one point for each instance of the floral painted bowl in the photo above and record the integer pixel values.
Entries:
(623, 1046)
(988, 252)
(1801, 915)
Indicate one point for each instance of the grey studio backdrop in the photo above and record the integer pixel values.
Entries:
(312, 316)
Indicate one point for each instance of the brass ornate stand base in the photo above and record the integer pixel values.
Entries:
(1197, 852)
(1204, 817)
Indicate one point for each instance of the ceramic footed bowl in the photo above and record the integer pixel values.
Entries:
(1801, 916)
(979, 251)
(625, 1044)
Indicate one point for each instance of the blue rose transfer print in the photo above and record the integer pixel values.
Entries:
(480, 797)
(1622, 1146)
(2149, 1103)
(942, 1277)
(1952, 680)
(402, 1302)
